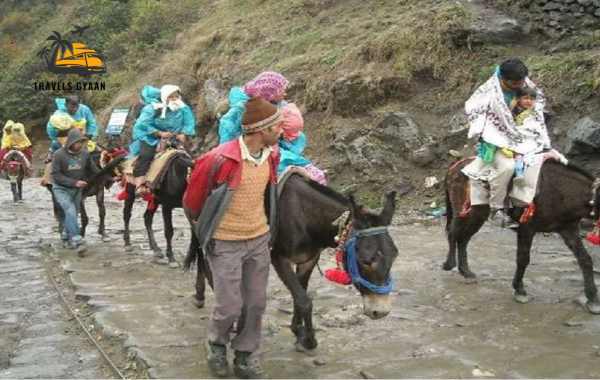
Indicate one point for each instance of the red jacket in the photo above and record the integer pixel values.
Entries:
(214, 169)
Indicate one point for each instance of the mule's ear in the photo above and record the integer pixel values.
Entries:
(389, 207)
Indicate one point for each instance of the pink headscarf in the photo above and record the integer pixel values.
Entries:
(268, 85)
(292, 122)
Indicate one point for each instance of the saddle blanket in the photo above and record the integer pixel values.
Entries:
(159, 164)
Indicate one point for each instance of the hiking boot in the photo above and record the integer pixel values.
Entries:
(499, 218)
(216, 357)
(247, 367)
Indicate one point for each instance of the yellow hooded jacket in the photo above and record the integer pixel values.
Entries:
(14, 137)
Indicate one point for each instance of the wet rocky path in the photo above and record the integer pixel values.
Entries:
(38, 338)
(440, 326)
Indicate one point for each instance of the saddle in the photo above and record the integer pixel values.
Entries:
(10, 164)
(159, 166)
(287, 173)
(22, 156)
(157, 169)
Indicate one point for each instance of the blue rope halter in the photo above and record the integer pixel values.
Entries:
(352, 261)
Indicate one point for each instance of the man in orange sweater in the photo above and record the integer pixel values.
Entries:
(231, 191)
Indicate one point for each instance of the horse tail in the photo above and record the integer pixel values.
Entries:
(193, 253)
(190, 259)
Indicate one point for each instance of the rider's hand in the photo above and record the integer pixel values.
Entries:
(81, 184)
(559, 157)
(181, 138)
(165, 135)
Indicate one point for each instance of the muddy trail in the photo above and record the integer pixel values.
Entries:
(440, 326)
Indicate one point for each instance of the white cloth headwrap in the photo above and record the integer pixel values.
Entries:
(490, 117)
(165, 91)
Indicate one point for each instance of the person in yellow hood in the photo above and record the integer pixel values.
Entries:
(15, 138)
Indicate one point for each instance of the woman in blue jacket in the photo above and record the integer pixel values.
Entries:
(164, 115)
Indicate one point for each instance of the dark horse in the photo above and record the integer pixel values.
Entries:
(566, 194)
(15, 166)
(307, 215)
(169, 194)
(96, 185)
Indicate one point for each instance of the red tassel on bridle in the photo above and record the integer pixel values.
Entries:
(338, 274)
(122, 195)
(594, 236)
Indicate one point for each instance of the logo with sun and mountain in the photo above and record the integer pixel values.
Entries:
(70, 55)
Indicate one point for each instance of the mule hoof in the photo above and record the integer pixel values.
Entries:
(448, 266)
(158, 254)
(160, 261)
(468, 275)
(197, 302)
(521, 298)
(308, 351)
(593, 307)
(174, 265)
(105, 238)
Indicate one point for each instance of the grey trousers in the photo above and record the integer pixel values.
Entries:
(240, 272)
(501, 172)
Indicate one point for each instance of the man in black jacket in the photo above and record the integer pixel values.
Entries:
(70, 165)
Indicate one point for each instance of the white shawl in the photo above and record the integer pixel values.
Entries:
(490, 117)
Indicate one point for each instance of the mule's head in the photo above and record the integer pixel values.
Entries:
(110, 162)
(375, 254)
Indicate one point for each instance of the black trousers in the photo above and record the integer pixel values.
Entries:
(144, 160)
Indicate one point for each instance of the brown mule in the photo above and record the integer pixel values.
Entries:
(564, 198)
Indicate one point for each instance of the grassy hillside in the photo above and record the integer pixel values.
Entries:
(349, 62)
